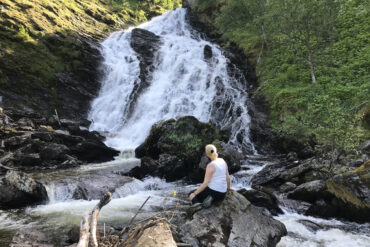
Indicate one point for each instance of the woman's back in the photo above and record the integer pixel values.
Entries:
(218, 179)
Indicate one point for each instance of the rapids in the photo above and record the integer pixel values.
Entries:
(183, 84)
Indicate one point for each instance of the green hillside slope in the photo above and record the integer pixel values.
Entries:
(312, 59)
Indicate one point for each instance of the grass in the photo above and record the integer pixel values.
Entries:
(39, 38)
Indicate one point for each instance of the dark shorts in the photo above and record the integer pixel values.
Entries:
(216, 195)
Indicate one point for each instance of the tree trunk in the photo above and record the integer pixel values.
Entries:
(94, 217)
(310, 63)
(84, 232)
(264, 32)
(260, 55)
(89, 223)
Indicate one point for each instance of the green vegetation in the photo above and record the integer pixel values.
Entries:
(312, 59)
(39, 38)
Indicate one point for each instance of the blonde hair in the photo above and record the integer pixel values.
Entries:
(211, 151)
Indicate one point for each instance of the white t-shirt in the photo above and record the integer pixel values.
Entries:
(218, 179)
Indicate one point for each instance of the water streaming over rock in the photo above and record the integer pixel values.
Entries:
(185, 81)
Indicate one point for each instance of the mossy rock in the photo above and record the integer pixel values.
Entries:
(185, 138)
(352, 193)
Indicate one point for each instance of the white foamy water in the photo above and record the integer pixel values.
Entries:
(300, 235)
(183, 83)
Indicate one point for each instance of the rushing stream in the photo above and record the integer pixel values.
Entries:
(183, 84)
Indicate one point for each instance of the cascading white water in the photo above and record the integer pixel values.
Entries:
(183, 83)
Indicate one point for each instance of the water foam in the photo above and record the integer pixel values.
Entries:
(184, 83)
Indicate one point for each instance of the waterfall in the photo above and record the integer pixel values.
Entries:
(183, 82)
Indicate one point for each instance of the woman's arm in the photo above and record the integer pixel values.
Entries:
(207, 178)
(228, 178)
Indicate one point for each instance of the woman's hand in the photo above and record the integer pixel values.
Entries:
(191, 196)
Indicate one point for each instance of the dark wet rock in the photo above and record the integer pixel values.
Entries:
(93, 151)
(74, 234)
(54, 151)
(185, 139)
(24, 159)
(30, 237)
(78, 88)
(167, 166)
(300, 207)
(92, 187)
(147, 166)
(25, 122)
(46, 136)
(262, 199)
(310, 192)
(75, 87)
(232, 156)
(351, 191)
(234, 222)
(44, 147)
(286, 187)
(275, 175)
(323, 208)
(19, 190)
(312, 226)
(145, 44)
(207, 52)
(271, 174)
(306, 153)
(292, 156)
(15, 142)
(365, 147)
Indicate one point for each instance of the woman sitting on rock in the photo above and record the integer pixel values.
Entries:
(216, 182)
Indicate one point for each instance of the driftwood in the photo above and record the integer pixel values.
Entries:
(89, 223)
(84, 232)
(124, 230)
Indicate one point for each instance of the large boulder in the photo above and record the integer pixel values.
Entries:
(229, 153)
(177, 147)
(310, 192)
(262, 199)
(92, 187)
(29, 238)
(158, 235)
(54, 151)
(19, 190)
(145, 44)
(94, 151)
(352, 193)
(234, 222)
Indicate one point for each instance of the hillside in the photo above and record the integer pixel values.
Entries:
(50, 47)
(312, 62)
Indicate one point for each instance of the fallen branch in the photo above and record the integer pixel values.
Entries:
(90, 221)
(94, 217)
(84, 232)
(124, 230)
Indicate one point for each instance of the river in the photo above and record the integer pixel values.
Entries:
(183, 83)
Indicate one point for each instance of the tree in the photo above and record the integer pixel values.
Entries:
(307, 24)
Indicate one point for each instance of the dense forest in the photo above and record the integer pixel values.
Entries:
(312, 59)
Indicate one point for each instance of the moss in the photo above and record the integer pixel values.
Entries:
(41, 38)
(344, 194)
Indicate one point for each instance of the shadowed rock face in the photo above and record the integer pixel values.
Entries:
(19, 190)
(234, 222)
(31, 141)
(262, 199)
(351, 191)
(30, 237)
(145, 44)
